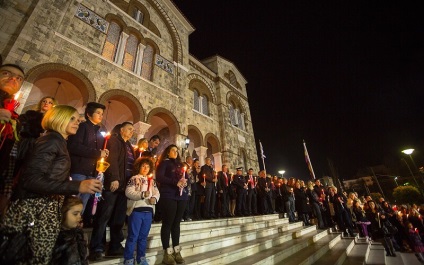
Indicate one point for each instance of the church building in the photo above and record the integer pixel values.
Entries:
(133, 57)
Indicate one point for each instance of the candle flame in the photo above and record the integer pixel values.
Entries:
(17, 95)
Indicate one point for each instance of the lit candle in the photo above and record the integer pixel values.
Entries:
(149, 181)
(107, 136)
(204, 179)
(182, 188)
(17, 95)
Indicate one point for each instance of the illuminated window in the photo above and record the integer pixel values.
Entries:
(112, 40)
(147, 65)
(130, 52)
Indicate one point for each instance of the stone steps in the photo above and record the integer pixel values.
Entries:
(265, 239)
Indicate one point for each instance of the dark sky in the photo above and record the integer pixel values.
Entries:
(345, 76)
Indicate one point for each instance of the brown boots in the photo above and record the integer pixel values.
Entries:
(177, 255)
(172, 255)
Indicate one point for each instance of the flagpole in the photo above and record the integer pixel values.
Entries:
(308, 161)
(262, 154)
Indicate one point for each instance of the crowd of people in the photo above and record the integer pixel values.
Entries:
(50, 172)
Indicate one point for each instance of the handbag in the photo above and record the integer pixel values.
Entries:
(15, 246)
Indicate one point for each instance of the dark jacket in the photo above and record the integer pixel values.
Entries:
(301, 200)
(223, 183)
(47, 171)
(70, 248)
(207, 171)
(118, 162)
(85, 148)
(168, 173)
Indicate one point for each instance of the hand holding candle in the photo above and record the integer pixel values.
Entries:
(183, 180)
(12, 104)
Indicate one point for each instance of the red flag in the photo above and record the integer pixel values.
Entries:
(308, 161)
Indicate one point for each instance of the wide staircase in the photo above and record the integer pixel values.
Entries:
(266, 239)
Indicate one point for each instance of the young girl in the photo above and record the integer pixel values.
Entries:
(71, 247)
(142, 194)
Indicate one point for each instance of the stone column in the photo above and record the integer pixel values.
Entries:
(201, 151)
(217, 158)
(121, 48)
(140, 129)
(139, 58)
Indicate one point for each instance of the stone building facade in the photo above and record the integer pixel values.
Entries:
(132, 56)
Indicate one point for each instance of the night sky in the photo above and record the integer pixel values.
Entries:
(345, 76)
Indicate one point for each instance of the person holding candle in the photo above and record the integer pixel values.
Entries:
(242, 187)
(224, 180)
(111, 210)
(85, 148)
(43, 183)
(251, 203)
(11, 79)
(142, 194)
(171, 177)
(210, 179)
(200, 189)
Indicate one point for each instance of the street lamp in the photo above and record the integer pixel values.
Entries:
(281, 172)
(409, 153)
(185, 147)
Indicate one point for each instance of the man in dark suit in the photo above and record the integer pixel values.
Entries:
(207, 173)
(240, 182)
(223, 186)
(251, 180)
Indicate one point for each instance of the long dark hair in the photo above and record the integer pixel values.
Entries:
(165, 154)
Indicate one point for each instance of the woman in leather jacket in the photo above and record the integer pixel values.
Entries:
(43, 184)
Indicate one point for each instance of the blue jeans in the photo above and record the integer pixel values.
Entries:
(86, 196)
(139, 224)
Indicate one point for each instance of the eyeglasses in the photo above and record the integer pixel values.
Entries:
(9, 74)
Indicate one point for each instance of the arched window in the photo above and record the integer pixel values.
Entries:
(147, 66)
(112, 40)
(205, 108)
(233, 78)
(196, 104)
(130, 52)
(232, 115)
(138, 15)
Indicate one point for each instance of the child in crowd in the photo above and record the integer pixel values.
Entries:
(142, 194)
(71, 246)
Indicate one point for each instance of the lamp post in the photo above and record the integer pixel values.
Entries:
(281, 172)
(409, 153)
(185, 147)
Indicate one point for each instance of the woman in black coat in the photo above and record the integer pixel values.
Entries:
(301, 203)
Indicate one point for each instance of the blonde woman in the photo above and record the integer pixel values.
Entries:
(43, 183)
